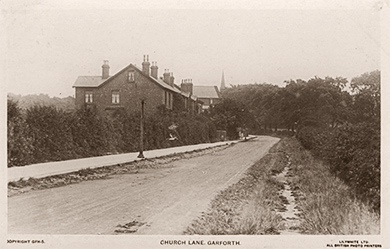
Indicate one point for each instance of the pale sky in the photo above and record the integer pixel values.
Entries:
(47, 48)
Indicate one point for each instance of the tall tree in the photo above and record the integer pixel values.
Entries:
(366, 89)
(230, 115)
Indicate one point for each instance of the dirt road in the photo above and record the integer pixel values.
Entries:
(154, 201)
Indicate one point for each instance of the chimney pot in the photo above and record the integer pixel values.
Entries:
(154, 70)
(171, 80)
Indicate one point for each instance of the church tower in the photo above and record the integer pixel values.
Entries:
(223, 87)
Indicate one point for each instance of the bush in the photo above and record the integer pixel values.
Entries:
(50, 132)
(19, 142)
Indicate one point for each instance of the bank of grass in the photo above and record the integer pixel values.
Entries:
(328, 206)
(247, 207)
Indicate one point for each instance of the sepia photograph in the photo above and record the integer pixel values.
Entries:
(169, 124)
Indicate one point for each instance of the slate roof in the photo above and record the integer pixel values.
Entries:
(88, 81)
(207, 92)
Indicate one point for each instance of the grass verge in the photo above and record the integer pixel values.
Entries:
(328, 206)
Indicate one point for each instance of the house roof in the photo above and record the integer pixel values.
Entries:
(97, 81)
(88, 81)
(209, 92)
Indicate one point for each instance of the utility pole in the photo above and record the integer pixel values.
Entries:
(141, 142)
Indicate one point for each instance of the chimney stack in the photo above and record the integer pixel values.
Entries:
(106, 70)
(146, 65)
(187, 86)
(154, 70)
(171, 80)
(167, 76)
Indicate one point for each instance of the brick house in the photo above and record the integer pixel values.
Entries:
(126, 89)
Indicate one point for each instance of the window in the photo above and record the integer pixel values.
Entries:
(88, 97)
(115, 97)
(130, 76)
(211, 101)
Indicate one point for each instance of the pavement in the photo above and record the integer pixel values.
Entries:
(61, 167)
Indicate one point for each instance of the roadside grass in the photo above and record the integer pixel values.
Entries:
(248, 206)
(89, 174)
(327, 205)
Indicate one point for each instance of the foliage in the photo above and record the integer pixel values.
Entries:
(230, 115)
(366, 106)
(45, 133)
(19, 143)
(260, 100)
(318, 101)
(353, 147)
(50, 133)
(178, 103)
(353, 152)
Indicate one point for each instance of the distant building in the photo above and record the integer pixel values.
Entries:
(209, 95)
(126, 89)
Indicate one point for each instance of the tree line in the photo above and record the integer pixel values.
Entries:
(30, 100)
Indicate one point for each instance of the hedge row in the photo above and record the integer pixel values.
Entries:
(353, 152)
(44, 133)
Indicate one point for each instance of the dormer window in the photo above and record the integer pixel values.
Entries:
(131, 76)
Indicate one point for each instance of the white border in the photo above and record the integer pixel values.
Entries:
(119, 241)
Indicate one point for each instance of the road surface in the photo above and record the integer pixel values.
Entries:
(154, 201)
